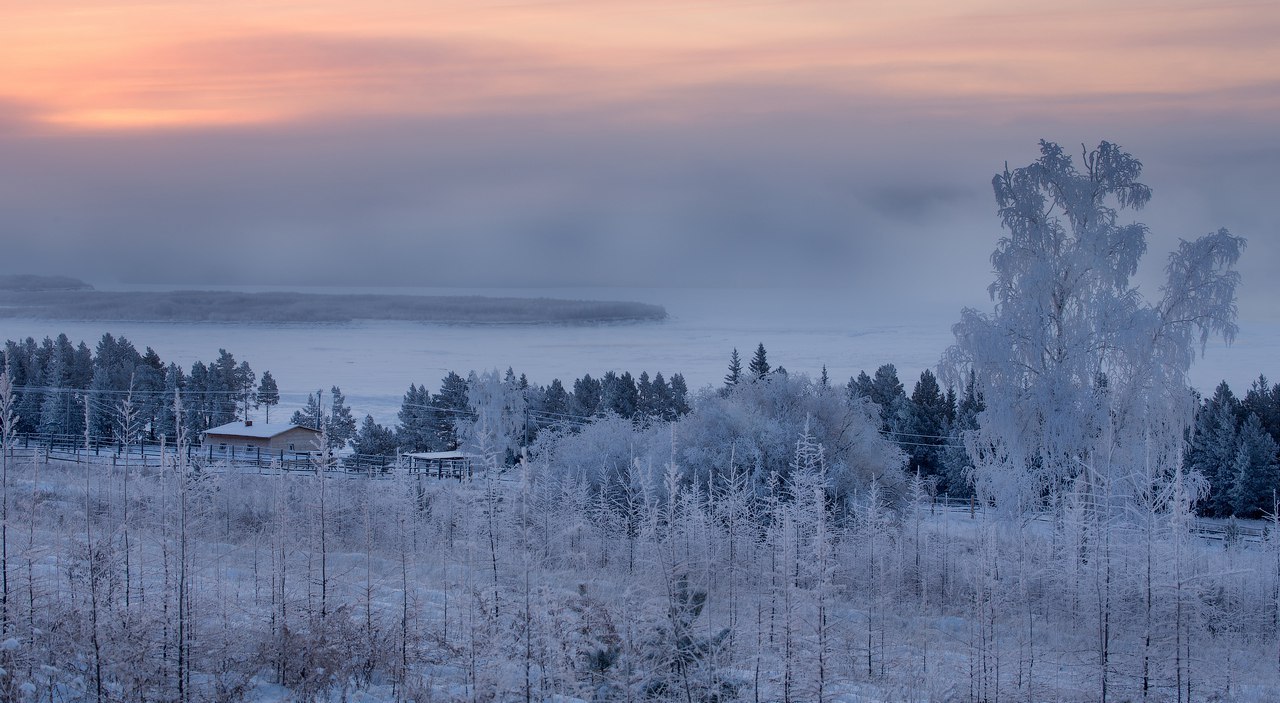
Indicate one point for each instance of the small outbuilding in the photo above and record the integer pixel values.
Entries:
(440, 464)
(252, 437)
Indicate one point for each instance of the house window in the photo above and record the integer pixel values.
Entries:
(222, 447)
(248, 447)
(291, 447)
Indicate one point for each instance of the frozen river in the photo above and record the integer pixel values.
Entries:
(374, 362)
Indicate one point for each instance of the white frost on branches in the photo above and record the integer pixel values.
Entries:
(1085, 380)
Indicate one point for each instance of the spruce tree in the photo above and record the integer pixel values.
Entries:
(1255, 471)
(342, 425)
(926, 425)
(416, 431)
(1213, 447)
(452, 404)
(374, 440)
(679, 395)
(759, 366)
(662, 398)
(586, 396)
(732, 378)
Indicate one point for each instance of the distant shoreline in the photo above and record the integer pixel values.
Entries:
(228, 306)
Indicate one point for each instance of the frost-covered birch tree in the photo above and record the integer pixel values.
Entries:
(1085, 379)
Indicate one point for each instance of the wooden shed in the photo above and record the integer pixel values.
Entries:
(440, 464)
(251, 437)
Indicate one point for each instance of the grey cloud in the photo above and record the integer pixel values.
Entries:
(582, 198)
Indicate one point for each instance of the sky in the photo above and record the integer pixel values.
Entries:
(612, 142)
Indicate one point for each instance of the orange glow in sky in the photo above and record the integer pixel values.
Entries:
(93, 64)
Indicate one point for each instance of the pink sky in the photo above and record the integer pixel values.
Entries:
(94, 65)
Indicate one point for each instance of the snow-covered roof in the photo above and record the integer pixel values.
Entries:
(436, 455)
(260, 430)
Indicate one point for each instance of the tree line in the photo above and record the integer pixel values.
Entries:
(58, 385)
(1235, 445)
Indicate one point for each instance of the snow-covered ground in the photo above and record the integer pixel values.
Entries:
(289, 587)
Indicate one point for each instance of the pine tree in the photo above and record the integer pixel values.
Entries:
(246, 379)
(268, 394)
(310, 416)
(759, 366)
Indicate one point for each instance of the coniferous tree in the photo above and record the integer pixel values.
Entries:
(174, 383)
(759, 366)
(924, 432)
(887, 392)
(586, 396)
(196, 400)
(618, 394)
(81, 371)
(417, 429)
(1256, 475)
(115, 367)
(1212, 452)
(661, 398)
(734, 376)
(26, 372)
(645, 405)
(149, 384)
(246, 379)
(224, 388)
(268, 393)
(312, 415)
(957, 466)
(1263, 400)
(452, 404)
(679, 395)
(341, 425)
(860, 386)
(556, 401)
(374, 440)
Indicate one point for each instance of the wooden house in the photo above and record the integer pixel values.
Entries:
(249, 437)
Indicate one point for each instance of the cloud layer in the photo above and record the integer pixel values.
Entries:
(608, 142)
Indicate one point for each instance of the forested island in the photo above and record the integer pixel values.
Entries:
(29, 299)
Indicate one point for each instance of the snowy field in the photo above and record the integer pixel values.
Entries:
(227, 587)
(374, 362)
